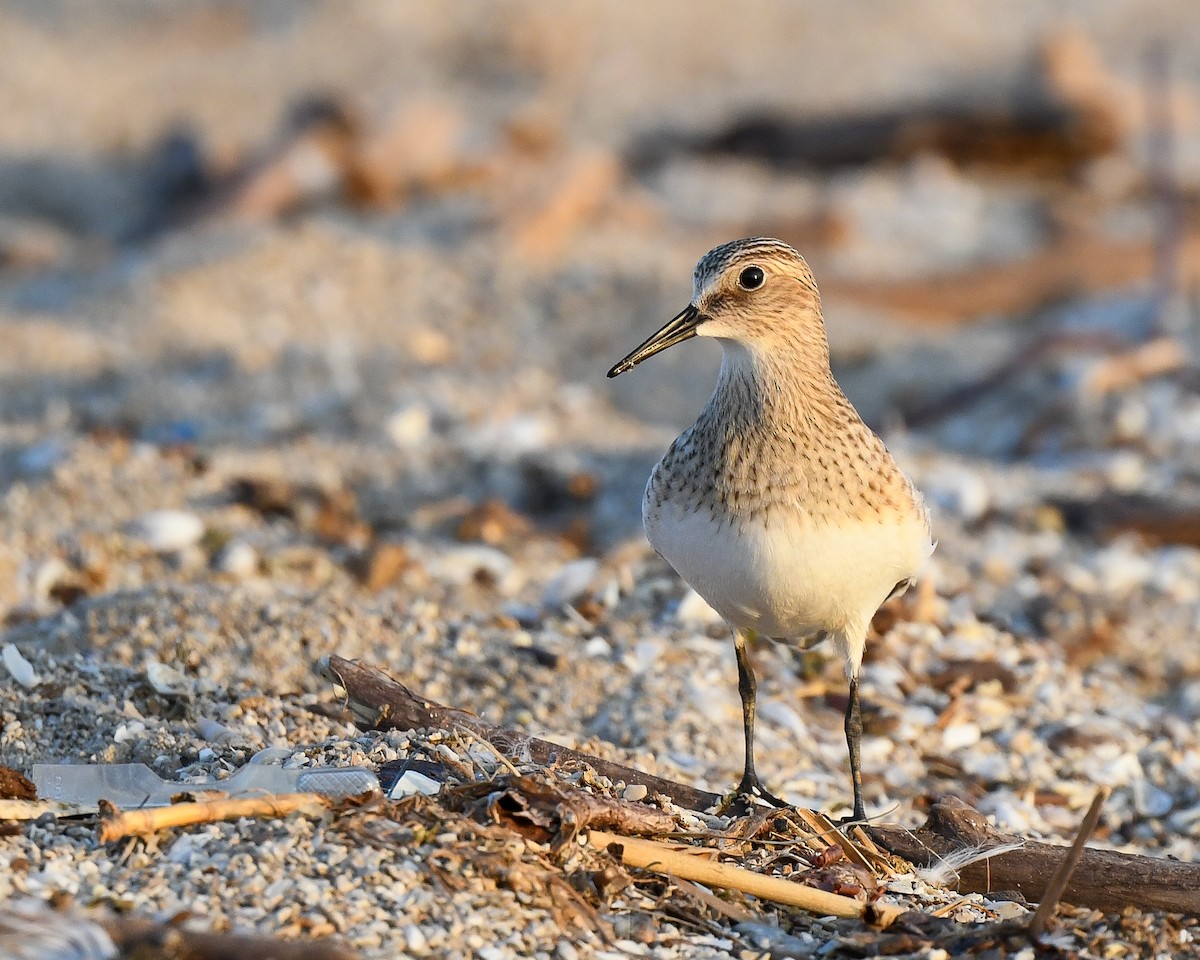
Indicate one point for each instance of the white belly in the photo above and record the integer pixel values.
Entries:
(786, 578)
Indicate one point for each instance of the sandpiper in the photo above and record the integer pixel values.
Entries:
(779, 506)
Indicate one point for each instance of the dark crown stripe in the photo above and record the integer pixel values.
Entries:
(718, 259)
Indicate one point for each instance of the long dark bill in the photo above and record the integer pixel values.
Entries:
(680, 327)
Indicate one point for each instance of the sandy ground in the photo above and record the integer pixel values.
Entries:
(399, 369)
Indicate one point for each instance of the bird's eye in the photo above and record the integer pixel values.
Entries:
(751, 278)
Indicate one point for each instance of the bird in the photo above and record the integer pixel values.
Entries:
(779, 506)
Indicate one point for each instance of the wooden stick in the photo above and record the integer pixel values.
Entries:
(380, 703)
(692, 863)
(1058, 883)
(145, 822)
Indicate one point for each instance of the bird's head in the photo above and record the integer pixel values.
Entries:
(757, 292)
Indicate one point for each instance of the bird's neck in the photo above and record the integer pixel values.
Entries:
(785, 385)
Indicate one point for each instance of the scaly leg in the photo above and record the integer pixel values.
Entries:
(750, 785)
(853, 741)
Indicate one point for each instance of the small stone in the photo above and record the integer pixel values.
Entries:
(635, 792)
(19, 668)
(598, 647)
(165, 679)
(410, 426)
(415, 941)
(236, 558)
(47, 577)
(1149, 800)
(960, 735)
(1008, 910)
(570, 583)
(129, 731)
(959, 491)
(168, 531)
(214, 732)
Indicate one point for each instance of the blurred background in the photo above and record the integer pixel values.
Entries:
(322, 207)
(305, 309)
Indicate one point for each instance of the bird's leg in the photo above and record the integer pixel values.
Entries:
(750, 785)
(853, 741)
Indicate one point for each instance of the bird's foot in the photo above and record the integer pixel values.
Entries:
(857, 818)
(752, 788)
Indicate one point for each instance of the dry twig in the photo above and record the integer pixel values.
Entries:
(1062, 876)
(145, 822)
(692, 863)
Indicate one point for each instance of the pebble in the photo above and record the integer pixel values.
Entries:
(237, 558)
(410, 426)
(415, 941)
(18, 667)
(129, 731)
(214, 732)
(1149, 800)
(598, 647)
(49, 574)
(570, 583)
(959, 491)
(635, 792)
(460, 565)
(960, 735)
(166, 680)
(168, 531)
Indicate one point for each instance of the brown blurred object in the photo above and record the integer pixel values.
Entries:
(1159, 521)
(581, 185)
(1145, 361)
(308, 161)
(493, 522)
(381, 565)
(1071, 266)
(14, 785)
(420, 148)
(331, 514)
(1068, 112)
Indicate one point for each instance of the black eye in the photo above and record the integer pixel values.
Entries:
(751, 278)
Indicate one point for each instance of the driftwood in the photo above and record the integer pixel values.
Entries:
(380, 703)
(1104, 880)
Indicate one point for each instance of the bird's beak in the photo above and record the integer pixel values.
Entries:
(680, 327)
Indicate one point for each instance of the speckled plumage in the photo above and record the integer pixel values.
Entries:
(779, 505)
